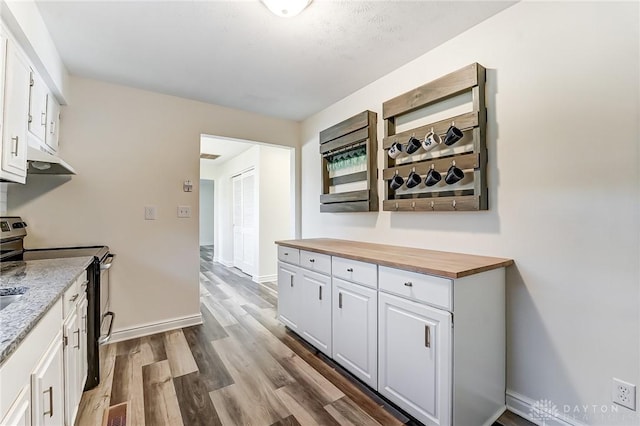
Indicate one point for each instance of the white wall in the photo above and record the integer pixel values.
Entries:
(206, 212)
(275, 207)
(563, 96)
(272, 167)
(133, 148)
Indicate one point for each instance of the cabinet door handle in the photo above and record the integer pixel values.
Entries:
(427, 336)
(84, 323)
(409, 284)
(43, 118)
(74, 297)
(15, 142)
(291, 276)
(312, 260)
(77, 332)
(286, 254)
(320, 293)
(349, 269)
(50, 411)
(340, 300)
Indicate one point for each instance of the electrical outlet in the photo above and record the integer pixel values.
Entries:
(624, 394)
(150, 213)
(184, 211)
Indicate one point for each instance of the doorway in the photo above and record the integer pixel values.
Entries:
(254, 202)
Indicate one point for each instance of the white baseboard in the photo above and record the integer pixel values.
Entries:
(495, 416)
(153, 328)
(227, 263)
(264, 278)
(523, 406)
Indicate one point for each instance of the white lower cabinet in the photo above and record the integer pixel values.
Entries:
(393, 329)
(71, 342)
(47, 387)
(315, 290)
(355, 336)
(289, 296)
(415, 358)
(20, 412)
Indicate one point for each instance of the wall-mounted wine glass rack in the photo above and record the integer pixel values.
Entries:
(468, 154)
(349, 167)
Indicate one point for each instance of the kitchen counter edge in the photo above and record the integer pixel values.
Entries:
(73, 268)
(432, 262)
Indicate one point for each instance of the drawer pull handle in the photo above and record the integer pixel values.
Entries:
(427, 336)
(349, 269)
(340, 300)
(320, 293)
(78, 333)
(286, 254)
(74, 297)
(312, 260)
(409, 284)
(50, 411)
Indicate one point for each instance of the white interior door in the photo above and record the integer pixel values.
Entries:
(237, 221)
(248, 223)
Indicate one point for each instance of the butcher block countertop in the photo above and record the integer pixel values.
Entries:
(441, 263)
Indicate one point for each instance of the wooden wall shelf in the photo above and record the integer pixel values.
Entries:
(353, 188)
(469, 153)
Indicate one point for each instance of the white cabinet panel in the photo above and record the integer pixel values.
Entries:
(289, 255)
(20, 412)
(16, 115)
(289, 297)
(415, 358)
(315, 302)
(38, 107)
(355, 329)
(315, 261)
(47, 387)
(435, 291)
(355, 271)
(71, 345)
(52, 123)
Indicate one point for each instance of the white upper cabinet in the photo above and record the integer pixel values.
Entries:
(52, 123)
(15, 115)
(38, 107)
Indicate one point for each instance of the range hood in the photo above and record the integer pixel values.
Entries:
(43, 163)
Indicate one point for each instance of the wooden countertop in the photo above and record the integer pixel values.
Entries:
(442, 263)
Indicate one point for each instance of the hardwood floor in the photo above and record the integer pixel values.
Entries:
(241, 367)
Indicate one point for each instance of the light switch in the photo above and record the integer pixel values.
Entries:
(150, 213)
(184, 211)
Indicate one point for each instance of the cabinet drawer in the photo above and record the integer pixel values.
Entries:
(289, 255)
(72, 295)
(316, 261)
(355, 271)
(432, 290)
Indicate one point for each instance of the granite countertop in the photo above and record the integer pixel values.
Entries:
(43, 283)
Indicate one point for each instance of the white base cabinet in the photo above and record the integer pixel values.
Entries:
(434, 346)
(415, 358)
(20, 412)
(47, 387)
(316, 309)
(355, 331)
(304, 304)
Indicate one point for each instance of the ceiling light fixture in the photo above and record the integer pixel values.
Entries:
(286, 8)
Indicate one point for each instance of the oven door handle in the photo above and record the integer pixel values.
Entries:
(104, 339)
(107, 262)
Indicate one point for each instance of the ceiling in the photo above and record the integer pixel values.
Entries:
(237, 54)
(225, 148)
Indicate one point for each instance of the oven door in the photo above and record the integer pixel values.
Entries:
(106, 316)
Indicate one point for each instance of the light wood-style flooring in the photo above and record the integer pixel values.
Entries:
(241, 367)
